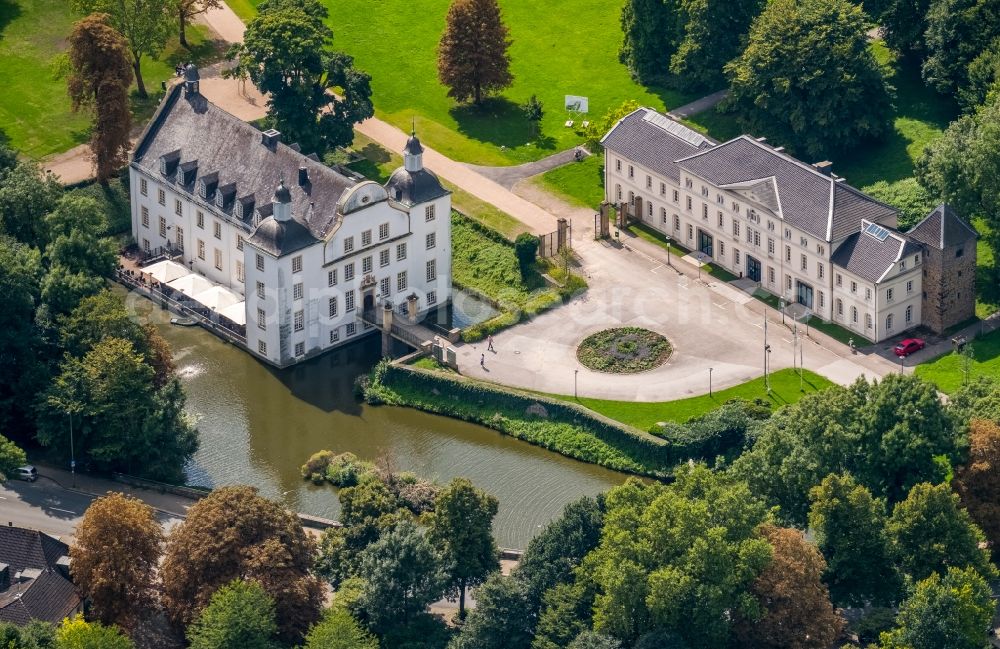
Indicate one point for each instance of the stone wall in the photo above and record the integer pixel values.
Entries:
(949, 286)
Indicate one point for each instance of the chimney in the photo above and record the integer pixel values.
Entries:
(303, 176)
(825, 167)
(4, 577)
(270, 138)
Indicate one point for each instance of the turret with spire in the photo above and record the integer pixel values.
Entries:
(282, 201)
(413, 152)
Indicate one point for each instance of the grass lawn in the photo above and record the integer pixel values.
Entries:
(721, 126)
(784, 390)
(578, 183)
(35, 113)
(988, 298)
(558, 47)
(489, 266)
(947, 371)
(378, 163)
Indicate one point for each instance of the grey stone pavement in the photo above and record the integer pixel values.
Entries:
(699, 105)
(509, 176)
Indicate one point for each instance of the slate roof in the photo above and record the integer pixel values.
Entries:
(864, 255)
(281, 237)
(943, 228)
(412, 187)
(22, 548)
(655, 141)
(809, 200)
(50, 598)
(231, 156)
(413, 146)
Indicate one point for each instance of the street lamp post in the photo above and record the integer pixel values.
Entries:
(901, 364)
(668, 252)
(710, 381)
(575, 373)
(72, 451)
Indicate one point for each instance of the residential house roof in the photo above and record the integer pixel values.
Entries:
(49, 597)
(818, 204)
(22, 548)
(872, 252)
(655, 141)
(943, 228)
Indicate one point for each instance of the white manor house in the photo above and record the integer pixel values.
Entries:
(796, 229)
(272, 242)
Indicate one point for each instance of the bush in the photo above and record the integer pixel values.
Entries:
(556, 425)
(624, 350)
(526, 249)
(721, 432)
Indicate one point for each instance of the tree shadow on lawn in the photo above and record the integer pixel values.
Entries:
(498, 121)
(9, 11)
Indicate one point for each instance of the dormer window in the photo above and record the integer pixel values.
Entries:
(220, 199)
(239, 209)
(163, 166)
(202, 189)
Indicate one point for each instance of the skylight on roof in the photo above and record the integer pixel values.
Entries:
(877, 231)
(675, 128)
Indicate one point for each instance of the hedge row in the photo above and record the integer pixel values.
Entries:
(558, 426)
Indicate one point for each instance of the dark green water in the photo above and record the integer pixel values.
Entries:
(258, 425)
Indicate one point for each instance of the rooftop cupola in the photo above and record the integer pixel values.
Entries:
(413, 153)
(191, 79)
(282, 202)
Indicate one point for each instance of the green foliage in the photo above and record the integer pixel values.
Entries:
(461, 528)
(591, 640)
(122, 420)
(714, 34)
(339, 630)
(949, 612)
(402, 576)
(525, 248)
(503, 617)
(624, 350)
(720, 432)
(599, 127)
(285, 53)
(11, 457)
(26, 196)
(564, 428)
(679, 558)
(20, 340)
(849, 525)
(962, 168)
(929, 531)
(906, 195)
(34, 635)
(957, 32)
(533, 110)
(340, 470)
(888, 435)
(78, 634)
(807, 79)
(113, 199)
(578, 183)
(947, 371)
(239, 616)
(567, 611)
(652, 30)
(903, 24)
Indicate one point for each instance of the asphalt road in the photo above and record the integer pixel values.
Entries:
(46, 506)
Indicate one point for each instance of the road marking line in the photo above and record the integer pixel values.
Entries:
(66, 511)
(721, 305)
(787, 340)
(757, 325)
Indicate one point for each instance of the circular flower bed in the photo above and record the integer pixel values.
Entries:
(624, 350)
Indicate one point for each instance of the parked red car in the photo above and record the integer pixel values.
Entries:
(908, 346)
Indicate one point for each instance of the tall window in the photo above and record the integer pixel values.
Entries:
(649, 182)
(819, 270)
(384, 287)
(161, 197)
(143, 187)
(431, 240)
(401, 251)
(262, 347)
(888, 322)
(348, 272)
(178, 207)
(383, 258)
(431, 270)
(300, 349)
(366, 238)
(840, 307)
(334, 335)
(200, 219)
(909, 314)
(331, 277)
(299, 320)
(736, 228)
(240, 274)
(179, 239)
(721, 220)
(201, 250)
(261, 319)
(348, 245)
(217, 230)
(429, 212)
(366, 264)
(145, 216)
(163, 227)
(218, 259)
(297, 291)
(297, 264)
(854, 314)
(383, 231)
(260, 290)
(888, 295)
(804, 262)
(432, 298)
(349, 301)
(260, 261)
(239, 242)
(401, 281)
(350, 329)
(331, 307)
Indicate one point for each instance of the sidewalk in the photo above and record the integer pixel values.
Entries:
(169, 504)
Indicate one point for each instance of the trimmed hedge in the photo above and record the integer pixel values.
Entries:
(556, 425)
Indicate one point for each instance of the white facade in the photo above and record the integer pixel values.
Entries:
(738, 227)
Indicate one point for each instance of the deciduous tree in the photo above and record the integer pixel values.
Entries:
(187, 9)
(285, 53)
(145, 24)
(461, 528)
(34, 635)
(339, 630)
(977, 482)
(591, 640)
(240, 615)
(402, 576)
(797, 613)
(906, 195)
(949, 612)
(929, 531)
(903, 24)
(80, 634)
(27, 194)
(963, 168)
(850, 531)
(714, 34)
(228, 535)
(11, 457)
(957, 32)
(473, 61)
(807, 78)
(652, 30)
(503, 618)
(100, 79)
(20, 341)
(115, 558)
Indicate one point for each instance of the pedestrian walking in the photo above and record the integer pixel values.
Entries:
(482, 361)
(489, 340)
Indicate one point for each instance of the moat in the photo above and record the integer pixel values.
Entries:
(258, 425)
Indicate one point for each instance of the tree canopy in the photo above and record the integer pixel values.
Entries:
(240, 615)
(76, 633)
(807, 79)
(285, 53)
(115, 558)
(339, 630)
(977, 482)
(957, 32)
(473, 61)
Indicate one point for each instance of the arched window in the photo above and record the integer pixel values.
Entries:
(888, 322)
(909, 314)
(840, 307)
(868, 321)
(854, 314)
